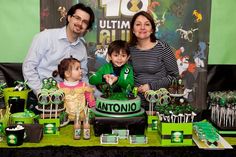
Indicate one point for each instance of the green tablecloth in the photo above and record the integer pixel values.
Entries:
(66, 139)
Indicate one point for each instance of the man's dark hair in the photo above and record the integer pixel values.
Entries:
(87, 9)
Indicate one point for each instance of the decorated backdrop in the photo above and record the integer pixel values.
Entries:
(184, 24)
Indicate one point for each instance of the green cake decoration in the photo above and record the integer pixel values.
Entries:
(118, 104)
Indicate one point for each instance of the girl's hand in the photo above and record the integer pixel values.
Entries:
(143, 88)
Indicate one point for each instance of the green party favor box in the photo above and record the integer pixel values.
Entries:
(174, 134)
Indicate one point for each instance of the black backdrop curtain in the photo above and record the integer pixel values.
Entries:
(219, 77)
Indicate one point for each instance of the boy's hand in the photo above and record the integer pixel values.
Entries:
(110, 79)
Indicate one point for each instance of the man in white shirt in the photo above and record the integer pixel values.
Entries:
(50, 46)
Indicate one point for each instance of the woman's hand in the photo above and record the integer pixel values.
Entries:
(143, 88)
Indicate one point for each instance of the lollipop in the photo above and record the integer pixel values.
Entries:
(164, 100)
(57, 98)
(44, 99)
(152, 97)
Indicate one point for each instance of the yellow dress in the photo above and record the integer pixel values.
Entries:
(77, 99)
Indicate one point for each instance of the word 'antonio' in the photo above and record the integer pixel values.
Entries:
(117, 107)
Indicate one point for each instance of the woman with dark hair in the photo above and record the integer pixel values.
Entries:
(51, 46)
(153, 61)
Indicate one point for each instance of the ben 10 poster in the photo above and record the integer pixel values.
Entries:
(183, 24)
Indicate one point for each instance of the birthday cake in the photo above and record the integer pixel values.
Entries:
(118, 111)
(120, 107)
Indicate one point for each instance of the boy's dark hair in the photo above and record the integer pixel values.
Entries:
(87, 9)
(65, 65)
(118, 45)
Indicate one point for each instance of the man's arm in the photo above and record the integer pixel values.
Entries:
(31, 62)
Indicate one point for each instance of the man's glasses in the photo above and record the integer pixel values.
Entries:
(79, 19)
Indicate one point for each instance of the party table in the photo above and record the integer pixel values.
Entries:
(64, 145)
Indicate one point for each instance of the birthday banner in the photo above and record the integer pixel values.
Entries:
(183, 24)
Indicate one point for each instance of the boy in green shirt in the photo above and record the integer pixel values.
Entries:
(117, 74)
